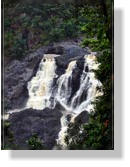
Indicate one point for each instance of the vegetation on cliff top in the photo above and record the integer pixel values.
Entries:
(28, 27)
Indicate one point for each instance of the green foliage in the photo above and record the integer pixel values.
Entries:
(55, 35)
(14, 46)
(7, 131)
(19, 48)
(90, 42)
(96, 29)
(35, 143)
(70, 28)
(7, 22)
(8, 138)
(45, 23)
(10, 3)
(97, 134)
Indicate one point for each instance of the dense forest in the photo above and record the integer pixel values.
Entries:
(30, 25)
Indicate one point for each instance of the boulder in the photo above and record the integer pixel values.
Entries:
(69, 52)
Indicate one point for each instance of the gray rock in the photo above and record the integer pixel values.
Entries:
(16, 76)
(46, 124)
(70, 52)
(82, 118)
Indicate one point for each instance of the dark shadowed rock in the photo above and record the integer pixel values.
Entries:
(55, 50)
(82, 118)
(46, 124)
(68, 117)
(76, 75)
(59, 107)
(74, 51)
(71, 51)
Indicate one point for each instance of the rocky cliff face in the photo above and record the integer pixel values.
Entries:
(46, 123)
(19, 72)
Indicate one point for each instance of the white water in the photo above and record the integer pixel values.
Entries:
(64, 86)
(88, 83)
(41, 86)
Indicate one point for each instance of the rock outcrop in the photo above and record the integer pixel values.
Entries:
(45, 124)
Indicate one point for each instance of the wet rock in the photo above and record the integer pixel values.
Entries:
(76, 75)
(59, 107)
(68, 117)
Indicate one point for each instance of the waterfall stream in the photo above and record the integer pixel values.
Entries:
(64, 86)
(40, 89)
(88, 86)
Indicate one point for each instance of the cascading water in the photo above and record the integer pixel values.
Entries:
(88, 86)
(41, 86)
(64, 89)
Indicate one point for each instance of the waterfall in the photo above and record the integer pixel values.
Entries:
(88, 86)
(41, 90)
(63, 132)
(64, 86)
(40, 87)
